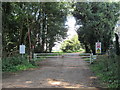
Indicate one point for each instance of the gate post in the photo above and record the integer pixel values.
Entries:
(91, 58)
(35, 56)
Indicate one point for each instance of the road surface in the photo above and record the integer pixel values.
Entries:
(65, 72)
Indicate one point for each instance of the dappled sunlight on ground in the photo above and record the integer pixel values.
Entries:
(54, 82)
(28, 82)
(54, 73)
(19, 86)
(93, 77)
(58, 83)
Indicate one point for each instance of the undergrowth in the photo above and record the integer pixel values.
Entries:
(16, 63)
(106, 68)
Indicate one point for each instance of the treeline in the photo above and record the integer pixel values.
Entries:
(36, 25)
(97, 21)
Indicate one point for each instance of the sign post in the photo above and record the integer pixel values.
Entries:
(22, 49)
(98, 47)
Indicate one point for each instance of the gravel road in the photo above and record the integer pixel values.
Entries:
(65, 72)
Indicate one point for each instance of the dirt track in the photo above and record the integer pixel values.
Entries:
(66, 72)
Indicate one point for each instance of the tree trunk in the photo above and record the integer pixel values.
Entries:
(87, 50)
(43, 37)
(117, 44)
(29, 38)
(92, 46)
(50, 49)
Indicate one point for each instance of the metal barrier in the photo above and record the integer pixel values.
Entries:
(90, 56)
(54, 55)
(58, 55)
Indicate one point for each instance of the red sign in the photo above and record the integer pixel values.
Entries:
(98, 47)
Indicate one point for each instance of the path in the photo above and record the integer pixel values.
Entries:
(70, 72)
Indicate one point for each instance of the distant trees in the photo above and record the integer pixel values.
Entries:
(98, 20)
(36, 25)
(71, 45)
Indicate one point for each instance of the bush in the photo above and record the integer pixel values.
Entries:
(72, 45)
(15, 63)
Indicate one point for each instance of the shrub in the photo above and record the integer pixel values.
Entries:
(15, 63)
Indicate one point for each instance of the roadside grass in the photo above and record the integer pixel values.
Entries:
(43, 55)
(106, 68)
(70, 51)
(17, 63)
(58, 52)
(80, 50)
(87, 59)
(52, 54)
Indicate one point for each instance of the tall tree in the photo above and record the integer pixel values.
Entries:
(117, 47)
(98, 20)
(36, 25)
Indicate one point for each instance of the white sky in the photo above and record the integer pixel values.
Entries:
(71, 23)
(71, 31)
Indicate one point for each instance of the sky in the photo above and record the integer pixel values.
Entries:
(71, 31)
(71, 24)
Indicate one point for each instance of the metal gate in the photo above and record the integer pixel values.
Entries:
(65, 55)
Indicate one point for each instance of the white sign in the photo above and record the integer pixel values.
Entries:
(22, 49)
(98, 47)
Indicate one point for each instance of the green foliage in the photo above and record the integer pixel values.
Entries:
(117, 45)
(43, 21)
(97, 20)
(16, 63)
(72, 45)
(107, 70)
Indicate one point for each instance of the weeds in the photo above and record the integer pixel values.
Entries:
(16, 63)
(107, 69)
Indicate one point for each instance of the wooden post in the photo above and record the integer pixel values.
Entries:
(30, 53)
(91, 58)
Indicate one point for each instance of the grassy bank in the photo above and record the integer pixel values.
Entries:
(16, 63)
(107, 69)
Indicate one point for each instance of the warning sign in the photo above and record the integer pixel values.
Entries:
(98, 47)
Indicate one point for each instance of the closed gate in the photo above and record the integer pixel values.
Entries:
(65, 55)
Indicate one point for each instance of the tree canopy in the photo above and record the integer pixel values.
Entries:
(97, 20)
(37, 25)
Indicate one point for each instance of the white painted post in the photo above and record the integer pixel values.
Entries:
(35, 55)
(91, 58)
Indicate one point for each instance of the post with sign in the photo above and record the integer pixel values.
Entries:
(98, 47)
(22, 49)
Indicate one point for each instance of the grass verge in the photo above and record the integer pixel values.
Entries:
(16, 63)
(106, 68)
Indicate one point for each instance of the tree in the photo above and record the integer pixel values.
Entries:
(52, 25)
(36, 25)
(72, 45)
(117, 47)
(98, 20)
